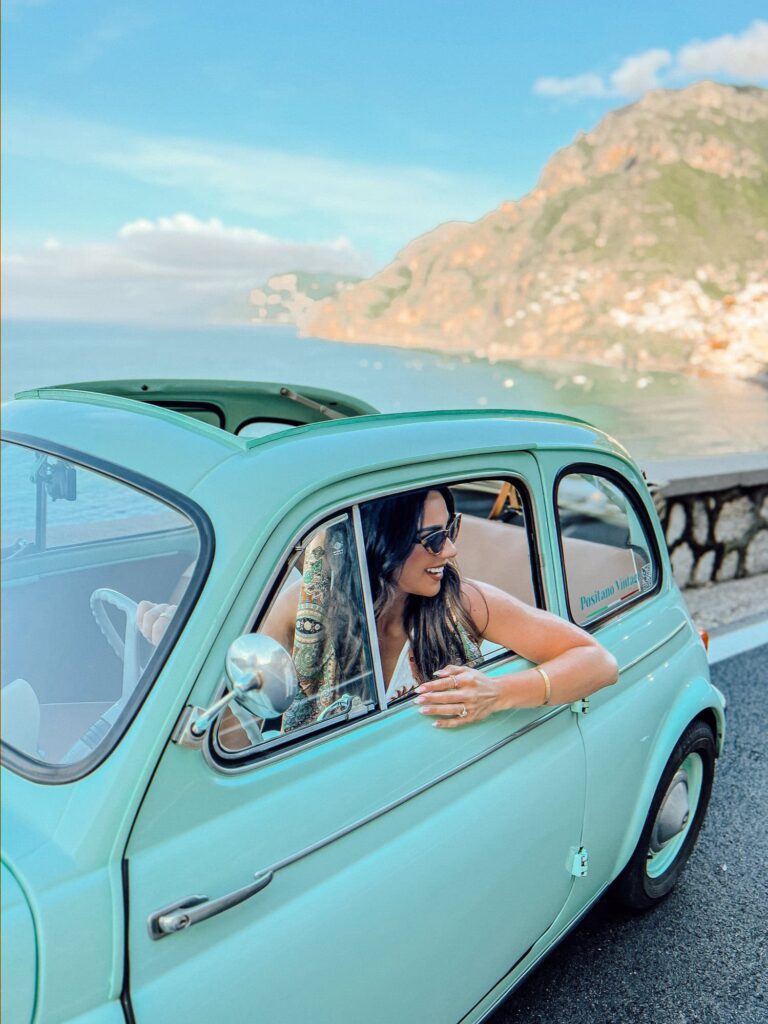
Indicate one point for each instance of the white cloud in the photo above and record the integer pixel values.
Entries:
(376, 204)
(636, 75)
(744, 57)
(741, 57)
(578, 87)
(175, 269)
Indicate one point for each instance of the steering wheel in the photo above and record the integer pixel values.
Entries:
(125, 647)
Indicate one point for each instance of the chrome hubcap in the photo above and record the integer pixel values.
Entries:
(673, 813)
(674, 816)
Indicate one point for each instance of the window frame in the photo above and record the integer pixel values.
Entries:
(38, 771)
(235, 762)
(628, 489)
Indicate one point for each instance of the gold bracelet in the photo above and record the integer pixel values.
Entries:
(547, 685)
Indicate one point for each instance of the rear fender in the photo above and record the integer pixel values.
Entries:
(699, 700)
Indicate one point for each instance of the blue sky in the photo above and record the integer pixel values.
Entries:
(211, 145)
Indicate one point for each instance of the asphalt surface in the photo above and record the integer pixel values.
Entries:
(702, 954)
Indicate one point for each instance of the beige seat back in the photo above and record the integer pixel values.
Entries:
(598, 575)
(496, 553)
(21, 716)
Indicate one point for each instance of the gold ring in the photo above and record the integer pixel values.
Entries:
(464, 713)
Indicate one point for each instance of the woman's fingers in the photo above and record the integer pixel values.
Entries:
(152, 620)
(432, 695)
(454, 710)
(449, 671)
(452, 723)
(457, 695)
(142, 610)
(447, 680)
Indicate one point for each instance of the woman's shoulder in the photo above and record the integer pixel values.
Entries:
(475, 602)
(481, 599)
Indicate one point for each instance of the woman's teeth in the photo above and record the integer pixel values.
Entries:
(437, 572)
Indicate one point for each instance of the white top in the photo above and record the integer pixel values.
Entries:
(403, 679)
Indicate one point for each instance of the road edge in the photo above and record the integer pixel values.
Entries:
(745, 635)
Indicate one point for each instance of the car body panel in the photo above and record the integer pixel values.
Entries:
(154, 442)
(157, 822)
(19, 952)
(329, 910)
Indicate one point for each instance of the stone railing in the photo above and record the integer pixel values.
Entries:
(714, 512)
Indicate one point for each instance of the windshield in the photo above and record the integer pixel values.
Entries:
(80, 549)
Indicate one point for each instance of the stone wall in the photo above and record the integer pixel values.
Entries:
(714, 513)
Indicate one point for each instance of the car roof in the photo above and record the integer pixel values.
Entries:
(181, 451)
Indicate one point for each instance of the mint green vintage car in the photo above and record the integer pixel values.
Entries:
(178, 845)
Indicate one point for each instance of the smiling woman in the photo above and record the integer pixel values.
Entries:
(435, 628)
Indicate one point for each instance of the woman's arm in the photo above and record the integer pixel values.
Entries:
(574, 663)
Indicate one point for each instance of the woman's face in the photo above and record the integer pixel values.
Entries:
(422, 572)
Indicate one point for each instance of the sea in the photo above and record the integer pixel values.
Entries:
(655, 415)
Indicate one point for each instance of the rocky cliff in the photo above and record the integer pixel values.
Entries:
(644, 244)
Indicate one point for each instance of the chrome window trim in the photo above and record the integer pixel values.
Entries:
(233, 763)
(370, 617)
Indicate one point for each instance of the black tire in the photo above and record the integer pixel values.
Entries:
(641, 885)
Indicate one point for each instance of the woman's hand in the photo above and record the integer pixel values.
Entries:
(458, 695)
(152, 620)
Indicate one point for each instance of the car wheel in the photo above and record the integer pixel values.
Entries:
(677, 812)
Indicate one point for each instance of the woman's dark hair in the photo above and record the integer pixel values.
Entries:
(432, 624)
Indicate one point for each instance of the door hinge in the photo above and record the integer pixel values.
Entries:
(580, 707)
(182, 731)
(580, 862)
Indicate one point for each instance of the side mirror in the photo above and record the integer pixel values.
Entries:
(262, 675)
(263, 680)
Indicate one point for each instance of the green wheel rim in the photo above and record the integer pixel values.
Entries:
(658, 862)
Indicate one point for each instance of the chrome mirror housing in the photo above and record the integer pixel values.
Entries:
(262, 675)
(262, 678)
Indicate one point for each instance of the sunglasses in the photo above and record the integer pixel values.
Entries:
(434, 540)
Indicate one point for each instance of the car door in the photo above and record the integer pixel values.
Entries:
(393, 871)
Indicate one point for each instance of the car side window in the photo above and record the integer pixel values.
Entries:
(608, 557)
(319, 611)
(318, 615)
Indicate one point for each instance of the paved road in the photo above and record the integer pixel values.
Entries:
(702, 956)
